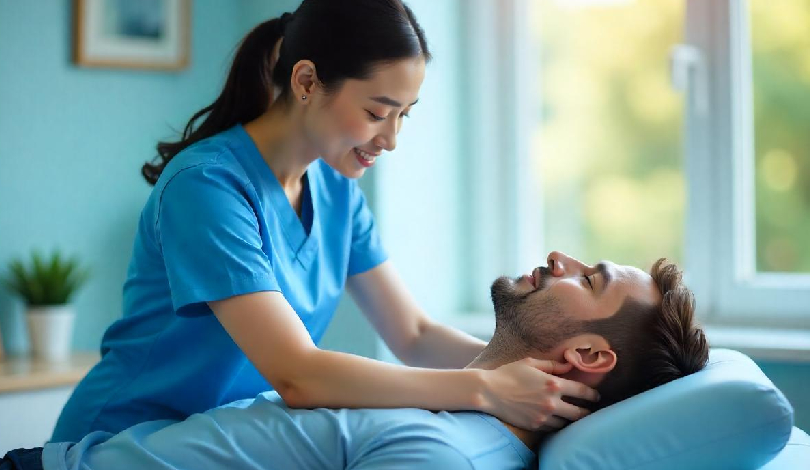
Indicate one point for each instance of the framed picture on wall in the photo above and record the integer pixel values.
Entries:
(138, 34)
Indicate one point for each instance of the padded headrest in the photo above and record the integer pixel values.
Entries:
(729, 415)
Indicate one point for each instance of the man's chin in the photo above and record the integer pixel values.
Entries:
(503, 284)
(505, 293)
(517, 285)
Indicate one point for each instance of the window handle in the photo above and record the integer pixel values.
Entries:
(688, 74)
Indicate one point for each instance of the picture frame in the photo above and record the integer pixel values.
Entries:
(132, 34)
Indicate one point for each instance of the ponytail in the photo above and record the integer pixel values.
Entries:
(346, 40)
(245, 97)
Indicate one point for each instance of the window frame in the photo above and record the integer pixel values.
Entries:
(498, 198)
(720, 237)
(713, 66)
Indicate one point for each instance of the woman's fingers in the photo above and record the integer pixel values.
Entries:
(553, 423)
(550, 367)
(571, 388)
(569, 411)
(527, 394)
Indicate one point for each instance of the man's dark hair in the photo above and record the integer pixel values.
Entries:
(655, 344)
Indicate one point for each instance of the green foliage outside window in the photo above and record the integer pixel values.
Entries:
(609, 137)
(780, 36)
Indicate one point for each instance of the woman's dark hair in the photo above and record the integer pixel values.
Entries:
(344, 39)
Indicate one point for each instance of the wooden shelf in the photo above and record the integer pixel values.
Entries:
(26, 373)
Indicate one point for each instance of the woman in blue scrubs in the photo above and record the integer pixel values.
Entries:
(255, 226)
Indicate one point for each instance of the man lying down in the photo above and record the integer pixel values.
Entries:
(615, 328)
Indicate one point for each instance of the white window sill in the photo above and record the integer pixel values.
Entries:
(760, 344)
(763, 344)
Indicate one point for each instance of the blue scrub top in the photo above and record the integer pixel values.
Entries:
(217, 224)
(263, 434)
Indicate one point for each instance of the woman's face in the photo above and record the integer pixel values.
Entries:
(363, 117)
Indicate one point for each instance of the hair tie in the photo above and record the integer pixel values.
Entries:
(284, 20)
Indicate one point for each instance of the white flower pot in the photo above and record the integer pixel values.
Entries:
(51, 331)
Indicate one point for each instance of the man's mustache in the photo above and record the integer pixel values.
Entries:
(545, 273)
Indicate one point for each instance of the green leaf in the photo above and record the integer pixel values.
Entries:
(19, 281)
(50, 281)
(39, 266)
(36, 291)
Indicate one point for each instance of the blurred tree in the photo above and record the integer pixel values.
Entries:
(608, 142)
(780, 38)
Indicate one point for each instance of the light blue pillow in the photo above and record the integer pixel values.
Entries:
(727, 416)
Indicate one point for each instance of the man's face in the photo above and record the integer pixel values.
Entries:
(552, 300)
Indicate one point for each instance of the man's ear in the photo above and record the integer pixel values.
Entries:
(591, 358)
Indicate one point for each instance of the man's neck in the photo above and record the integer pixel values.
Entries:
(532, 439)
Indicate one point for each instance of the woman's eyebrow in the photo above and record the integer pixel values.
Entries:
(390, 102)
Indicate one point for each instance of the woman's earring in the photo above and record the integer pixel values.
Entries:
(303, 97)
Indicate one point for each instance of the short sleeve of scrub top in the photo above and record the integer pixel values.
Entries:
(209, 235)
(366, 251)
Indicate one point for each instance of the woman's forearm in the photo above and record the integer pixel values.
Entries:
(442, 347)
(329, 379)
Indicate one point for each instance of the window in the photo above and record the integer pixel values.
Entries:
(573, 114)
(606, 148)
(727, 236)
(780, 47)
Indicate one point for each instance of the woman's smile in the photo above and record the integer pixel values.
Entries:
(366, 159)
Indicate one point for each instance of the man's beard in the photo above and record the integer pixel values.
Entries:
(534, 319)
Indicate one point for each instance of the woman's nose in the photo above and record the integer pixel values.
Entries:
(388, 138)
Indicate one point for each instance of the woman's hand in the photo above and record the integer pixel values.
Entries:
(525, 394)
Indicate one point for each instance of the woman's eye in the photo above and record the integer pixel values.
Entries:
(589, 281)
(374, 117)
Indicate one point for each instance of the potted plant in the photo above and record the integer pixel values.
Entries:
(47, 287)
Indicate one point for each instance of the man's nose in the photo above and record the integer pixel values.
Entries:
(561, 264)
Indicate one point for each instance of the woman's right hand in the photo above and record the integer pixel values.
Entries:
(525, 394)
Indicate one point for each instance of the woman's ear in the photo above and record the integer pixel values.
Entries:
(304, 78)
(591, 358)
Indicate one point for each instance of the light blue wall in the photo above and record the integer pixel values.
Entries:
(256, 11)
(418, 187)
(72, 141)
